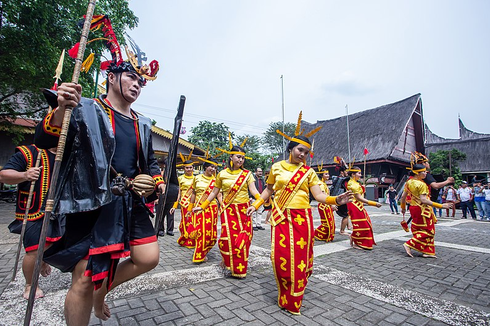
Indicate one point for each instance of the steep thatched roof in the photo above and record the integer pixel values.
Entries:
(389, 132)
(474, 145)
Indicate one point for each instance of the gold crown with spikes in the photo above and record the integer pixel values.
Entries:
(299, 132)
(185, 159)
(414, 158)
(208, 156)
(229, 151)
(321, 170)
(350, 167)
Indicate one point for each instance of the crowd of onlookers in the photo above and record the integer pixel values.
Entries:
(467, 196)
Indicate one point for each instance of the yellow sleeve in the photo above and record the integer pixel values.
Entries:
(313, 179)
(355, 187)
(250, 178)
(218, 183)
(271, 179)
(421, 189)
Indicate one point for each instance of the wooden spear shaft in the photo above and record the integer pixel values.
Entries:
(26, 214)
(57, 164)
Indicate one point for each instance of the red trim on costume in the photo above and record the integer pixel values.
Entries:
(106, 249)
(32, 248)
(119, 255)
(142, 241)
(49, 128)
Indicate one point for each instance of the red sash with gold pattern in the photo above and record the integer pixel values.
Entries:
(206, 193)
(186, 199)
(287, 194)
(234, 190)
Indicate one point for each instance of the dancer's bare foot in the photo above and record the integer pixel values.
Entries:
(355, 246)
(27, 290)
(45, 269)
(408, 250)
(101, 309)
(429, 256)
(344, 233)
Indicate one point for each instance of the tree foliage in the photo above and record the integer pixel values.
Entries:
(32, 37)
(445, 163)
(272, 141)
(210, 134)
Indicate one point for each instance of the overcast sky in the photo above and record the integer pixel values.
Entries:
(227, 57)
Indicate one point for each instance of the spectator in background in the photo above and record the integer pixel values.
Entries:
(391, 194)
(479, 199)
(439, 200)
(451, 197)
(260, 185)
(465, 195)
(486, 191)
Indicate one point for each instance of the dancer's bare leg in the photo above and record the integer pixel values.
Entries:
(343, 225)
(429, 256)
(143, 259)
(28, 269)
(78, 302)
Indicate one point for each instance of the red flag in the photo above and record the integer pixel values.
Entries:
(366, 152)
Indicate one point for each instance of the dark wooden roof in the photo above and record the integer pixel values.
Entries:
(384, 131)
(474, 145)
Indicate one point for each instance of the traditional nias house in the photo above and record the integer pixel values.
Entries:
(389, 133)
(475, 145)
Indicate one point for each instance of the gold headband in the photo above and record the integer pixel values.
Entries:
(210, 162)
(302, 142)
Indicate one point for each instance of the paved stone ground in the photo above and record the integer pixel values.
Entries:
(348, 286)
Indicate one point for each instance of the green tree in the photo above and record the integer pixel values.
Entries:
(32, 36)
(211, 134)
(272, 141)
(445, 163)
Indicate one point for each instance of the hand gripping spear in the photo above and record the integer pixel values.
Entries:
(26, 214)
(57, 165)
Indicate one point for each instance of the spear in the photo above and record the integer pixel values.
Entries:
(24, 221)
(57, 164)
(59, 70)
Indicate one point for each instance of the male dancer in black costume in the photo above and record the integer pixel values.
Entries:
(105, 135)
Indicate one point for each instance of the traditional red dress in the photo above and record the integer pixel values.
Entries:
(326, 230)
(185, 184)
(292, 231)
(362, 228)
(205, 222)
(236, 226)
(423, 218)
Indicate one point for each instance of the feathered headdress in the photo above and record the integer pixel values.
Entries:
(230, 145)
(352, 168)
(417, 158)
(321, 170)
(299, 132)
(208, 157)
(117, 64)
(186, 160)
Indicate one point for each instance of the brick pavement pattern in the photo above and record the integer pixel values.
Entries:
(348, 286)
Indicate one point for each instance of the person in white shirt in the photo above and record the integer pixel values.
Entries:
(450, 197)
(486, 191)
(465, 195)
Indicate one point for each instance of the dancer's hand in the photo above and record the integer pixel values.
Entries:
(172, 210)
(250, 210)
(196, 209)
(345, 198)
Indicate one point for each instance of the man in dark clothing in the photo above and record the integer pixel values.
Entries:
(104, 135)
(391, 193)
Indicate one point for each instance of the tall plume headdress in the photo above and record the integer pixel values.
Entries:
(230, 145)
(352, 168)
(417, 158)
(299, 132)
(208, 158)
(186, 160)
(117, 63)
